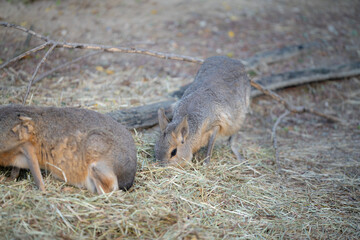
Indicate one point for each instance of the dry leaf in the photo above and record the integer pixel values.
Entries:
(226, 6)
(230, 54)
(234, 18)
(194, 237)
(99, 68)
(68, 189)
(231, 34)
(48, 9)
(109, 72)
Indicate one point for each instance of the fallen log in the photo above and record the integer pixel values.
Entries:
(280, 54)
(143, 116)
(146, 116)
(295, 78)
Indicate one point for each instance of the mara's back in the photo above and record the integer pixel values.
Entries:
(219, 93)
(54, 124)
(68, 140)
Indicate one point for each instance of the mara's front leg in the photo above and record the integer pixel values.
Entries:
(211, 144)
(28, 150)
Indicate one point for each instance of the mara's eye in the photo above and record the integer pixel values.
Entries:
(173, 152)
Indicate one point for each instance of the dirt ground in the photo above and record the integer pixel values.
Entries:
(319, 159)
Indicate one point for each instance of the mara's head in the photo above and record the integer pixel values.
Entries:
(15, 128)
(173, 146)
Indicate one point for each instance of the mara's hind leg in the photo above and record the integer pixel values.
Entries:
(233, 138)
(101, 178)
(15, 171)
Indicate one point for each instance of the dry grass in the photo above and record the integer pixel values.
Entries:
(317, 196)
(105, 90)
(227, 199)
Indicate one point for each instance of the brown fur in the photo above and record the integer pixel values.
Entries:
(86, 148)
(216, 103)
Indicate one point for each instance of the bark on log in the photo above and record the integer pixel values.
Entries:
(143, 116)
(146, 116)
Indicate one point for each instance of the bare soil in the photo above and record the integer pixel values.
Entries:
(318, 158)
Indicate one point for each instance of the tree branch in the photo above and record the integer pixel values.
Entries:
(251, 63)
(6, 24)
(290, 107)
(36, 71)
(21, 56)
(168, 56)
(44, 75)
(105, 48)
(273, 137)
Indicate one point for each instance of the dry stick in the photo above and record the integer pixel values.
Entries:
(44, 75)
(36, 71)
(106, 48)
(273, 137)
(6, 24)
(290, 107)
(253, 62)
(31, 51)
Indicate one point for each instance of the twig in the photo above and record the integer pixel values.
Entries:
(290, 107)
(63, 173)
(36, 71)
(58, 44)
(21, 56)
(273, 137)
(168, 56)
(67, 223)
(6, 24)
(44, 75)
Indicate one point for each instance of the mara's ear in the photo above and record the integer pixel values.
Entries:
(163, 121)
(24, 128)
(182, 130)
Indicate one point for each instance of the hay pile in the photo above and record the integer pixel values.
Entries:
(316, 197)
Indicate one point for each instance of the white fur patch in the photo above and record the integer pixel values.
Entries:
(20, 161)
